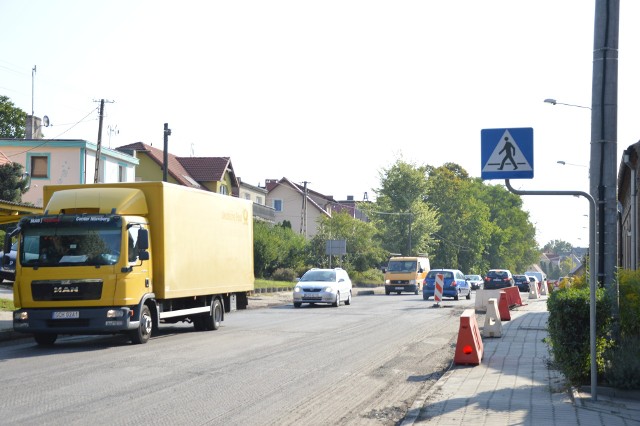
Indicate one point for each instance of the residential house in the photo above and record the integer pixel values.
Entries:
(628, 212)
(297, 204)
(71, 161)
(258, 195)
(214, 174)
(11, 211)
(303, 207)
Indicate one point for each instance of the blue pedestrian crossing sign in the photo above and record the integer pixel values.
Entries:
(507, 153)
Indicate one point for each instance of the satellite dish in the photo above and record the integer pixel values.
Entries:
(45, 121)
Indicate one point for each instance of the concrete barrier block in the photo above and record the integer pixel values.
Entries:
(492, 322)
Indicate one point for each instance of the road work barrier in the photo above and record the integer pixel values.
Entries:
(503, 307)
(513, 296)
(533, 291)
(469, 349)
(437, 292)
(492, 322)
(544, 290)
(483, 296)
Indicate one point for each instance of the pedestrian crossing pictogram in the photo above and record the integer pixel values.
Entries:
(507, 153)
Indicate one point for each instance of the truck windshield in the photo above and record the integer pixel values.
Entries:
(402, 266)
(70, 240)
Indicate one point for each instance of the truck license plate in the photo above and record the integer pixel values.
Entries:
(66, 314)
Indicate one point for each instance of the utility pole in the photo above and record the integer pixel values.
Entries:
(99, 145)
(33, 120)
(303, 219)
(603, 164)
(165, 159)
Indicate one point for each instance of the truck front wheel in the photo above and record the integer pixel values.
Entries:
(45, 339)
(143, 332)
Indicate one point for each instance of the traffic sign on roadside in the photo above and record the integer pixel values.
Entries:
(507, 153)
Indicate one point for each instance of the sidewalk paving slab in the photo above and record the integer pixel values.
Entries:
(515, 384)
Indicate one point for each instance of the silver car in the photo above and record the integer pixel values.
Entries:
(475, 281)
(330, 286)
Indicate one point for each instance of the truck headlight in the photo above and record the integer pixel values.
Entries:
(21, 316)
(115, 313)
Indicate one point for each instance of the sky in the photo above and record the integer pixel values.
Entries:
(328, 92)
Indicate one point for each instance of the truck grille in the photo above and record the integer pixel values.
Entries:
(48, 290)
(400, 282)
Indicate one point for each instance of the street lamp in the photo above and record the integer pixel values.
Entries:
(554, 102)
(564, 163)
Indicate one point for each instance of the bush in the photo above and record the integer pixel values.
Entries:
(629, 288)
(623, 364)
(284, 274)
(370, 276)
(569, 332)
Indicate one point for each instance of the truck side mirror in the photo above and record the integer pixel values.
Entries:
(143, 244)
(143, 239)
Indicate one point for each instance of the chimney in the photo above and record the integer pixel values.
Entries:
(33, 128)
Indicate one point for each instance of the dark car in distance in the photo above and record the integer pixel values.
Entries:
(522, 281)
(498, 278)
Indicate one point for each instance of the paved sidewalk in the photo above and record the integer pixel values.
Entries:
(515, 385)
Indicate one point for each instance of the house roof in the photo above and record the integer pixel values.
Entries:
(312, 196)
(188, 171)
(4, 159)
(207, 169)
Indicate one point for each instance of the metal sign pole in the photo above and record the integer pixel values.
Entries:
(592, 272)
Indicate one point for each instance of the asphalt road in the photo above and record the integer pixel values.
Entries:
(360, 364)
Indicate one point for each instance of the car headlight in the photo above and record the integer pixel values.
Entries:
(328, 289)
(297, 289)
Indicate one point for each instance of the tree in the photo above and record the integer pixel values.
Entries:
(512, 244)
(404, 220)
(276, 246)
(558, 247)
(12, 182)
(363, 250)
(12, 120)
(464, 220)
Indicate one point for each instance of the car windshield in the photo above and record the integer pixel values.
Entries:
(445, 274)
(325, 276)
(402, 266)
(473, 277)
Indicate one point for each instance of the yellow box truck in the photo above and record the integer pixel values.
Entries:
(406, 274)
(126, 257)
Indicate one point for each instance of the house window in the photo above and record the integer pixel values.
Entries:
(39, 166)
(247, 196)
(223, 190)
(122, 173)
(277, 205)
(259, 200)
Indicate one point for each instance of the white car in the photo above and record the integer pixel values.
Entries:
(475, 281)
(330, 286)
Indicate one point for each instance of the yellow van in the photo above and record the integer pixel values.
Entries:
(406, 274)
